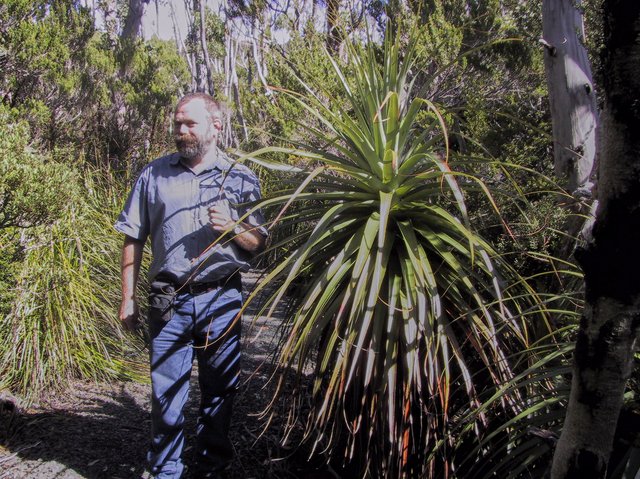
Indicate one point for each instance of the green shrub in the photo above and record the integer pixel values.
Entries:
(62, 322)
(33, 188)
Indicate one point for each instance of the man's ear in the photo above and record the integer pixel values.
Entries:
(217, 124)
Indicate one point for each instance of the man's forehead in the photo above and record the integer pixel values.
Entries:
(195, 107)
(191, 106)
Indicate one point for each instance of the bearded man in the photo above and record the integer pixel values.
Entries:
(184, 202)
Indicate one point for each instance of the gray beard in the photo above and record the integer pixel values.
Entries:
(191, 151)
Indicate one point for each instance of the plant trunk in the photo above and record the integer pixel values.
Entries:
(258, 58)
(608, 335)
(181, 47)
(205, 47)
(571, 93)
(573, 108)
(132, 23)
(333, 16)
(199, 75)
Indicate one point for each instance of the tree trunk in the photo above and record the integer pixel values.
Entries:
(574, 116)
(205, 48)
(132, 23)
(234, 91)
(608, 335)
(181, 47)
(199, 73)
(258, 58)
(571, 93)
(333, 17)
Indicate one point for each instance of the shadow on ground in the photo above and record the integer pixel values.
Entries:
(103, 435)
(98, 430)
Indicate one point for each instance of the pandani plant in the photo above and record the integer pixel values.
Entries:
(402, 317)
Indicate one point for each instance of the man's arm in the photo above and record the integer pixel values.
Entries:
(129, 271)
(249, 238)
(244, 235)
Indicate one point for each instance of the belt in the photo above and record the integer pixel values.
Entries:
(194, 289)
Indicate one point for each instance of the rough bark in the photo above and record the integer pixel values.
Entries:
(608, 335)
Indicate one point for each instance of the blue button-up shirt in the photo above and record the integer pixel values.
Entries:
(169, 203)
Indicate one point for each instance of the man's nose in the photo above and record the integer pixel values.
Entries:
(182, 128)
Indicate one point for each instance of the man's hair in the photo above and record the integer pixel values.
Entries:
(215, 108)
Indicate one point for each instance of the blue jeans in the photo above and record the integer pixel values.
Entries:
(207, 325)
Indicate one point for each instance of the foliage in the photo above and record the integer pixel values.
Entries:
(62, 323)
(90, 99)
(79, 90)
(273, 116)
(42, 42)
(403, 312)
(483, 63)
(33, 187)
(33, 191)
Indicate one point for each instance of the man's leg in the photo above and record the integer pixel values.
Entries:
(218, 353)
(171, 361)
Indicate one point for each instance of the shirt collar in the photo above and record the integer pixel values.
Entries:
(222, 161)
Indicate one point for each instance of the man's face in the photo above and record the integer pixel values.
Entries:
(195, 131)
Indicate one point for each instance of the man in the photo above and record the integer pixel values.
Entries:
(185, 202)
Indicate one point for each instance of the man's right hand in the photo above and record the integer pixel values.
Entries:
(130, 314)
(130, 268)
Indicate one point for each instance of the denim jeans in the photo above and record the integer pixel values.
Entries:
(206, 325)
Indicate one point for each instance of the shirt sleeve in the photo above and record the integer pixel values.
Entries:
(133, 221)
(251, 195)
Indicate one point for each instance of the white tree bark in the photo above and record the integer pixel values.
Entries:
(205, 48)
(133, 21)
(571, 94)
(235, 90)
(178, 38)
(258, 58)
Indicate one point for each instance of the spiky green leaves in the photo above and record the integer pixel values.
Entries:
(402, 311)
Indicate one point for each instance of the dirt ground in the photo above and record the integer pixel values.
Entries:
(102, 430)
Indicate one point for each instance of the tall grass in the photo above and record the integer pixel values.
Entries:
(63, 322)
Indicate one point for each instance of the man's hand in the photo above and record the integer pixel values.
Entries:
(220, 217)
(130, 314)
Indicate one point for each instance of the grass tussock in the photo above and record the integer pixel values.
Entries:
(62, 323)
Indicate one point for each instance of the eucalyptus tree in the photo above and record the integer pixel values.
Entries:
(133, 20)
(574, 113)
